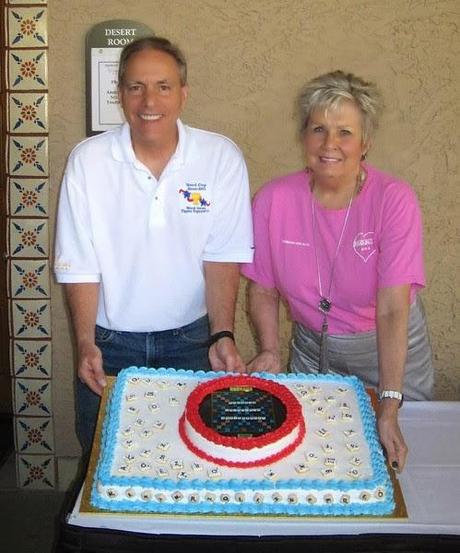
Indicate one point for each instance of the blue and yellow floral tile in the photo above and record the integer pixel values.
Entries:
(34, 435)
(28, 197)
(28, 238)
(27, 70)
(28, 112)
(36, 472)
(31, 358)
(27, 27)
(28, 156)
(31, 318)
(29, 279)
(32, 397)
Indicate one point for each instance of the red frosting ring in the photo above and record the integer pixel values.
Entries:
(294, 419)
(242, 464)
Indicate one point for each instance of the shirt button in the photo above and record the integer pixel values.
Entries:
(149, 177)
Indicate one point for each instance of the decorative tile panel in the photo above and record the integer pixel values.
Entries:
(27, 27)
(28, 70)
(34, 435)
(29, 279)
(31, 358)
(25, 39)
(32, 397)
(36, 471)
(31, 319)
(28, 237)
(28, 156)
(28, 197)
(28, 112)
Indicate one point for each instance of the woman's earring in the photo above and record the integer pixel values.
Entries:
(363, 157)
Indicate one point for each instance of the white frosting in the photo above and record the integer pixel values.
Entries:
(283, 495)
(149, 445)
(230, 454)
(169, 415)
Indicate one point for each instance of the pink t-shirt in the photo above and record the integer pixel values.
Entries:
(381, 247)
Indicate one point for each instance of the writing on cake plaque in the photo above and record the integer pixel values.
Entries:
(242, 412)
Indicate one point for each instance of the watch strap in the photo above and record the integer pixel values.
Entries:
(218, 335)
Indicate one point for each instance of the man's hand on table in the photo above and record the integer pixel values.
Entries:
(90, 370)
(224, 356)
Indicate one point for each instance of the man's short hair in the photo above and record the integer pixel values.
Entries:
(153, 43)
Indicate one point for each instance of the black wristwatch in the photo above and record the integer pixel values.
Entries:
(218, 335)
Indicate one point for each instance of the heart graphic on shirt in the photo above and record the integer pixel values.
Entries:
(363, 244)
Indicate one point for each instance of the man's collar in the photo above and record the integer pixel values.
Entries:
(179, 154)
(122, 147)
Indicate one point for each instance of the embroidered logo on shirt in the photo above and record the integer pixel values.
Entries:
(193, 194)
(363, 244)
(61, 266)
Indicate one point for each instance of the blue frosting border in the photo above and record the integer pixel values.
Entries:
(379, 470)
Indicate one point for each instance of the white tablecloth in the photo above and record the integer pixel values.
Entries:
(430, 484)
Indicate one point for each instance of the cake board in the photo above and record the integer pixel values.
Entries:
(399, 513)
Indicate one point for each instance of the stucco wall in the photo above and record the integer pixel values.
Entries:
(247, 60)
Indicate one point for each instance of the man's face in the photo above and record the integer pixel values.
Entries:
(152, 98)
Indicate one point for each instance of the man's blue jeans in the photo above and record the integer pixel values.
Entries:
(180, 348)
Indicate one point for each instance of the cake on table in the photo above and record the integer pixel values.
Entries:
(183, 442)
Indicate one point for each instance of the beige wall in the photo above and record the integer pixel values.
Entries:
(247, 60)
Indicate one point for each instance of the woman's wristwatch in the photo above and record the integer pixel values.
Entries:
(391, 394)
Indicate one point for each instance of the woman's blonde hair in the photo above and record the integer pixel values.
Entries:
(328, 91)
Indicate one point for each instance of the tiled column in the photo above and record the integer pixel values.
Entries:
(28, 241)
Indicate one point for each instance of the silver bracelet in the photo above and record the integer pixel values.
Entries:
(391, 394)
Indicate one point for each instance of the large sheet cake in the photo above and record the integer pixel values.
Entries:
(178, 441)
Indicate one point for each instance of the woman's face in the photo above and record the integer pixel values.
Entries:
(334, 145)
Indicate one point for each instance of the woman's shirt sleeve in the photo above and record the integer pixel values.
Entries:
(261, 269)
(401, 240)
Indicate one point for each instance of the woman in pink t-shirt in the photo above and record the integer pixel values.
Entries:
(341, 242)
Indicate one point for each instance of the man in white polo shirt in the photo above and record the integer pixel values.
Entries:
(153, 221)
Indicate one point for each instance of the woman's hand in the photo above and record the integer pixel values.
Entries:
(392, 320)
(263, 310)
(390, 434)
(266, 361)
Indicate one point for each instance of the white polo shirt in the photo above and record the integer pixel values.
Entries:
(145, 239)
